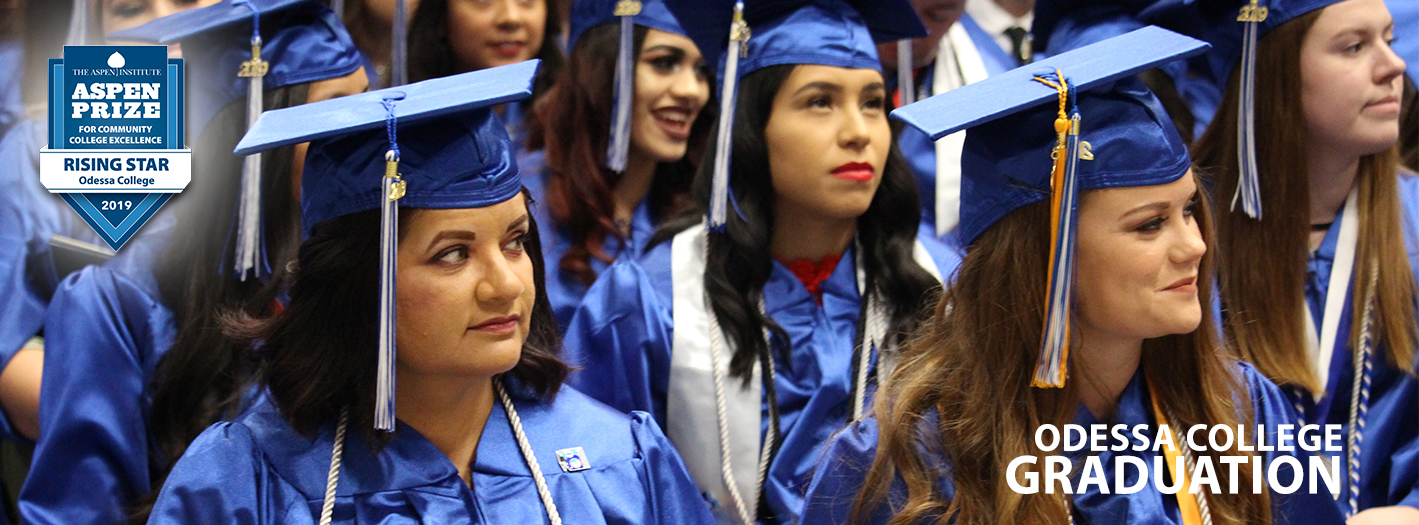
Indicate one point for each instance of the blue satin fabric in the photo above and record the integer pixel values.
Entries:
(621, 338)
(12, 60)
(105, 332)
(850, 455)
(919, 149)
(257, 469)
(31, 215)
(1389, 456)
(564, 290)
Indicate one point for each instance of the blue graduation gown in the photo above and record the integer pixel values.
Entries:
(12, 60)
(31, 215)
(105, 332)
(1389, 456)
(920, 150)
(564, 290)
(840, 476)
(621, 337)
(257, 469)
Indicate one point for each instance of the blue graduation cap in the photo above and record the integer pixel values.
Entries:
(1077, 121)
(765, 33)
(646, 13)
(432, 144)
(241, 48)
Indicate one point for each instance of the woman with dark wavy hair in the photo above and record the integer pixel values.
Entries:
(594, 212)
(1083, 299)
(419, 286)
(817, 267)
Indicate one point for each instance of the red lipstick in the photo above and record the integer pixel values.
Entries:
(854, 171)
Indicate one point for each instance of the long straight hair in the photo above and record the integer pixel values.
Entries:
(972, 363)
(572, 126)
(1263, 263)
(738, 263)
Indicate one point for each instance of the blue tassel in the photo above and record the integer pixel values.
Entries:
(1248, 183)
(393, 189)
(249, 245)
(719, 186)
(620, 142)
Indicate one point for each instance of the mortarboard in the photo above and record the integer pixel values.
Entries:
(240, 48)
(647, 13)
(1072, 122)
(432, 144)
(767, 33)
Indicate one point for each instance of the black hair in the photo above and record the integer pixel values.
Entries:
(738, 262)
(320, 354)
(431, 56)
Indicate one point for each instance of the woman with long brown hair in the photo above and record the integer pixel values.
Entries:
(1318, 292)
(605, 182)
(1077, 175)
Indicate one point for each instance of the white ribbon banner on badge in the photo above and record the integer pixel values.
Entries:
(115, 171)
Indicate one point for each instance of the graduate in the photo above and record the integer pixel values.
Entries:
(776, 305)
(1316, 232)
(955, 52)
(413, 206)
(137, 366)
(604, 179)
(447, 37)
(1082, 299)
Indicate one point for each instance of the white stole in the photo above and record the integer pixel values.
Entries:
(958, 63)
(1322, 348)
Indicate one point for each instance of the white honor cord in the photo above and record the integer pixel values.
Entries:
(328, 506)
(717, 342)
(1360, 391)
(332, 480)
(526, 448)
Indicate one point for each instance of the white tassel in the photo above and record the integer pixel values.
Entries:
(79, 24)
(906, 87)
(719, 189)
(248, 246)
(1248, 183)
(620, 142)
(393, 189)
